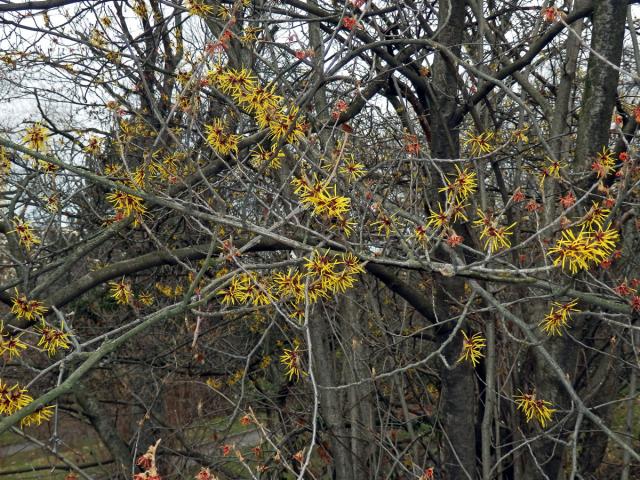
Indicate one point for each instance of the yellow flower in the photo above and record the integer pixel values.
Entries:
(320, 264)
(199, 8)
(13, 399)
(52, 339)
(344, 224)
(457, 211)
(36, 137)
(235, 378)
(93, 146)
(462, 186)
(352, 263)
(42, 414)
(297, 312)
(26, 237)
(140, 8)
(581, 250)
(271, 157)
(214, 383)
(259, 290)
(265, 362)
(534, 408)
(353, 169)
(551, 170)
(604, 163)
(438, 220)
(26, 309)
(221, 141)
(558, 317)
(291, 359)
(12, 346)
(5, 163)
(224, 13)
(496, 236)
(146, 299)
(289, 284)
(520, 135)
(386, 223)
(471, 348)
(121, 292)
(479, 143)
(420, 233)
(126, 204)
(595, 217)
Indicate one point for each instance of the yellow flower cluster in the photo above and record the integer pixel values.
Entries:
(169, 291)
(272, 157)
(461, 186)
(36, 137)
(291, 358)
(261, 102)
(472, 348)
(126, 204)
(248, 287)
(584, 249)
(551, 170)
(535, 408)
(30, 310)
(171, 167)
(5, 163)
(331, 274)
(12, 346)
(121, 291)
(495, 236)
(14, 398)
(558, 317)
(480, 143)
(325, 274)
(352, 169)
(26, 237)
(220, 140)
(199, 8)
(52, 339)
(595, 217)
(321, 197)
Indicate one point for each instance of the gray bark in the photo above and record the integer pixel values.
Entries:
(602, 79)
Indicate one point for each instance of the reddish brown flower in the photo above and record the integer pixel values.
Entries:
(144, 461)
(550, 14)
(533, 206)
(568, 200)
(518, 196)
(349, 22)
(605, 264)
(453, 239)
(623, 290)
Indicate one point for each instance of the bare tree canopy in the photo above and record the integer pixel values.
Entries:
(313, 239)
